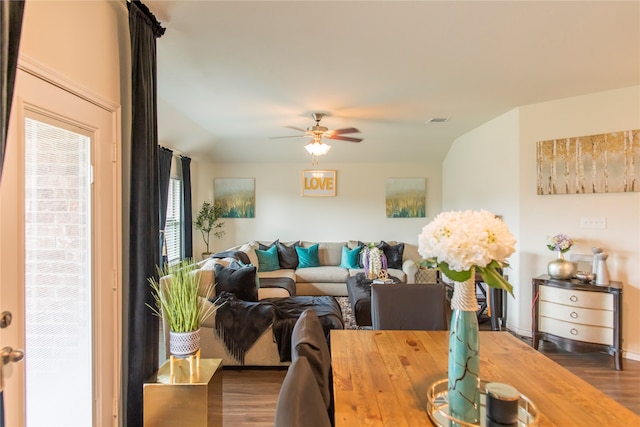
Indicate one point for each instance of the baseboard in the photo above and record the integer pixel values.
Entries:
(630, 355)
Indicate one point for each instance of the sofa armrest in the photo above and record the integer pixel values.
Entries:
(410, 269)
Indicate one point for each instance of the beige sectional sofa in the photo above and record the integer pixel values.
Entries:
(327, 279)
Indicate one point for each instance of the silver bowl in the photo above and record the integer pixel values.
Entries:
(584, 276)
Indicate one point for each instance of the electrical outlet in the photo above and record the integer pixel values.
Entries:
(593, 222)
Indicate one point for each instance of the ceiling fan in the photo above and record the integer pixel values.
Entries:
(317, 147)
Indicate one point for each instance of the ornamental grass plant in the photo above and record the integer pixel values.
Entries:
(177, 300)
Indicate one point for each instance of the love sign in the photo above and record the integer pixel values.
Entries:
(318, 183)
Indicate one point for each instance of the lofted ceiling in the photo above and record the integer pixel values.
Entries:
(232, 74)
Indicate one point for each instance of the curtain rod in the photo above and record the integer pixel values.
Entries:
(158, 29)
(174, 152)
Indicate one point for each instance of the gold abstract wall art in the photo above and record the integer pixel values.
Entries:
(604, 163)
(235, 196)
(406, 198)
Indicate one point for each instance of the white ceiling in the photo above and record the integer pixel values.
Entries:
(231, 74)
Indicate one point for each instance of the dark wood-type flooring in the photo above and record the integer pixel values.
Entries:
(250, 395)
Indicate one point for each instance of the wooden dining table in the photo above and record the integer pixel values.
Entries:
(381, 378)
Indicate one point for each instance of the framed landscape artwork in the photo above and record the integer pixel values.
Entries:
(603, 163)
(406, 198)
(235, 196)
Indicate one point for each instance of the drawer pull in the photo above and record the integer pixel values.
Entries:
(574, 315)
(574, 331)
(573, 298)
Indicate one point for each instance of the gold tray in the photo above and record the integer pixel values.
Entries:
(438, 407)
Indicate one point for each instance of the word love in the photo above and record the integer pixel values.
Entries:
(322, 183)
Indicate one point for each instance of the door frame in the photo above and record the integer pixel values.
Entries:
(107, 316)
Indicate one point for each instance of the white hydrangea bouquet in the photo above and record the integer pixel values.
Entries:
(459, 242)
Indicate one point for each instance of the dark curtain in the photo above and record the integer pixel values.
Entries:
(11, 12)
(187, 214)
(164, 176)
(143, 326)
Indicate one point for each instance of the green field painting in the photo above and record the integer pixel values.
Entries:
(406, 198)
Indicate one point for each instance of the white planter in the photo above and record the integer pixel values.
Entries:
(184, 344)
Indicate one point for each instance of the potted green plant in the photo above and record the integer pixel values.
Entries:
(177, 302)
(208, 221)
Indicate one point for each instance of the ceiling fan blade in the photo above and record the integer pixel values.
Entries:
(345, 138)
(290, 136)
(298, 129)
(345, 130)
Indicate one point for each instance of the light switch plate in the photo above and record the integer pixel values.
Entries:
(593, 222)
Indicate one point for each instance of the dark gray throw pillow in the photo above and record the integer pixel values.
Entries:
(287, 255)
(361, 246)
(239, 281)
(393, 254)
(264, 247)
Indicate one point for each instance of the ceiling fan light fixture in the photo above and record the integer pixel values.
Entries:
(317, 148)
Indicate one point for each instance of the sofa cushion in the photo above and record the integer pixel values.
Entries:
(283, 272)
(287, 254)
(393, 254)
(250, 250)
(263, 246)
(206, 274)
(239, 264)
(268, 259)
(241, 281)
(329, 253)
(349, 257)
(308, 257)
(323, 274)
(362, 246)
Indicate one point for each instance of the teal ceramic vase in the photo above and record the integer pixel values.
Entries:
(464, 362)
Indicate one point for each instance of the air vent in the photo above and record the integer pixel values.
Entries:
(437, 120)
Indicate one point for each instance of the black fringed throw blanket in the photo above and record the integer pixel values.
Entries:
(238, 255)
(240, 323)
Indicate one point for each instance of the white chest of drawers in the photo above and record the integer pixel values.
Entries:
(578, 316)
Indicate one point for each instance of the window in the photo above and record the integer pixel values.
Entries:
(173, 227)
(58, 281)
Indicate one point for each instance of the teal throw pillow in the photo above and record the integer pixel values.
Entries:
(268, 259)
(350, 257)
(308, 257)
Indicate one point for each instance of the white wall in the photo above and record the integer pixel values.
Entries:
(79, 40)
(604, 112)
(539, 216)
(357, 212)
(481, 172)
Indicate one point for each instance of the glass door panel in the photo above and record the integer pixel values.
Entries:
(58, 278)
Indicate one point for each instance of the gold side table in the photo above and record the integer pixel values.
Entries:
(184, 399)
